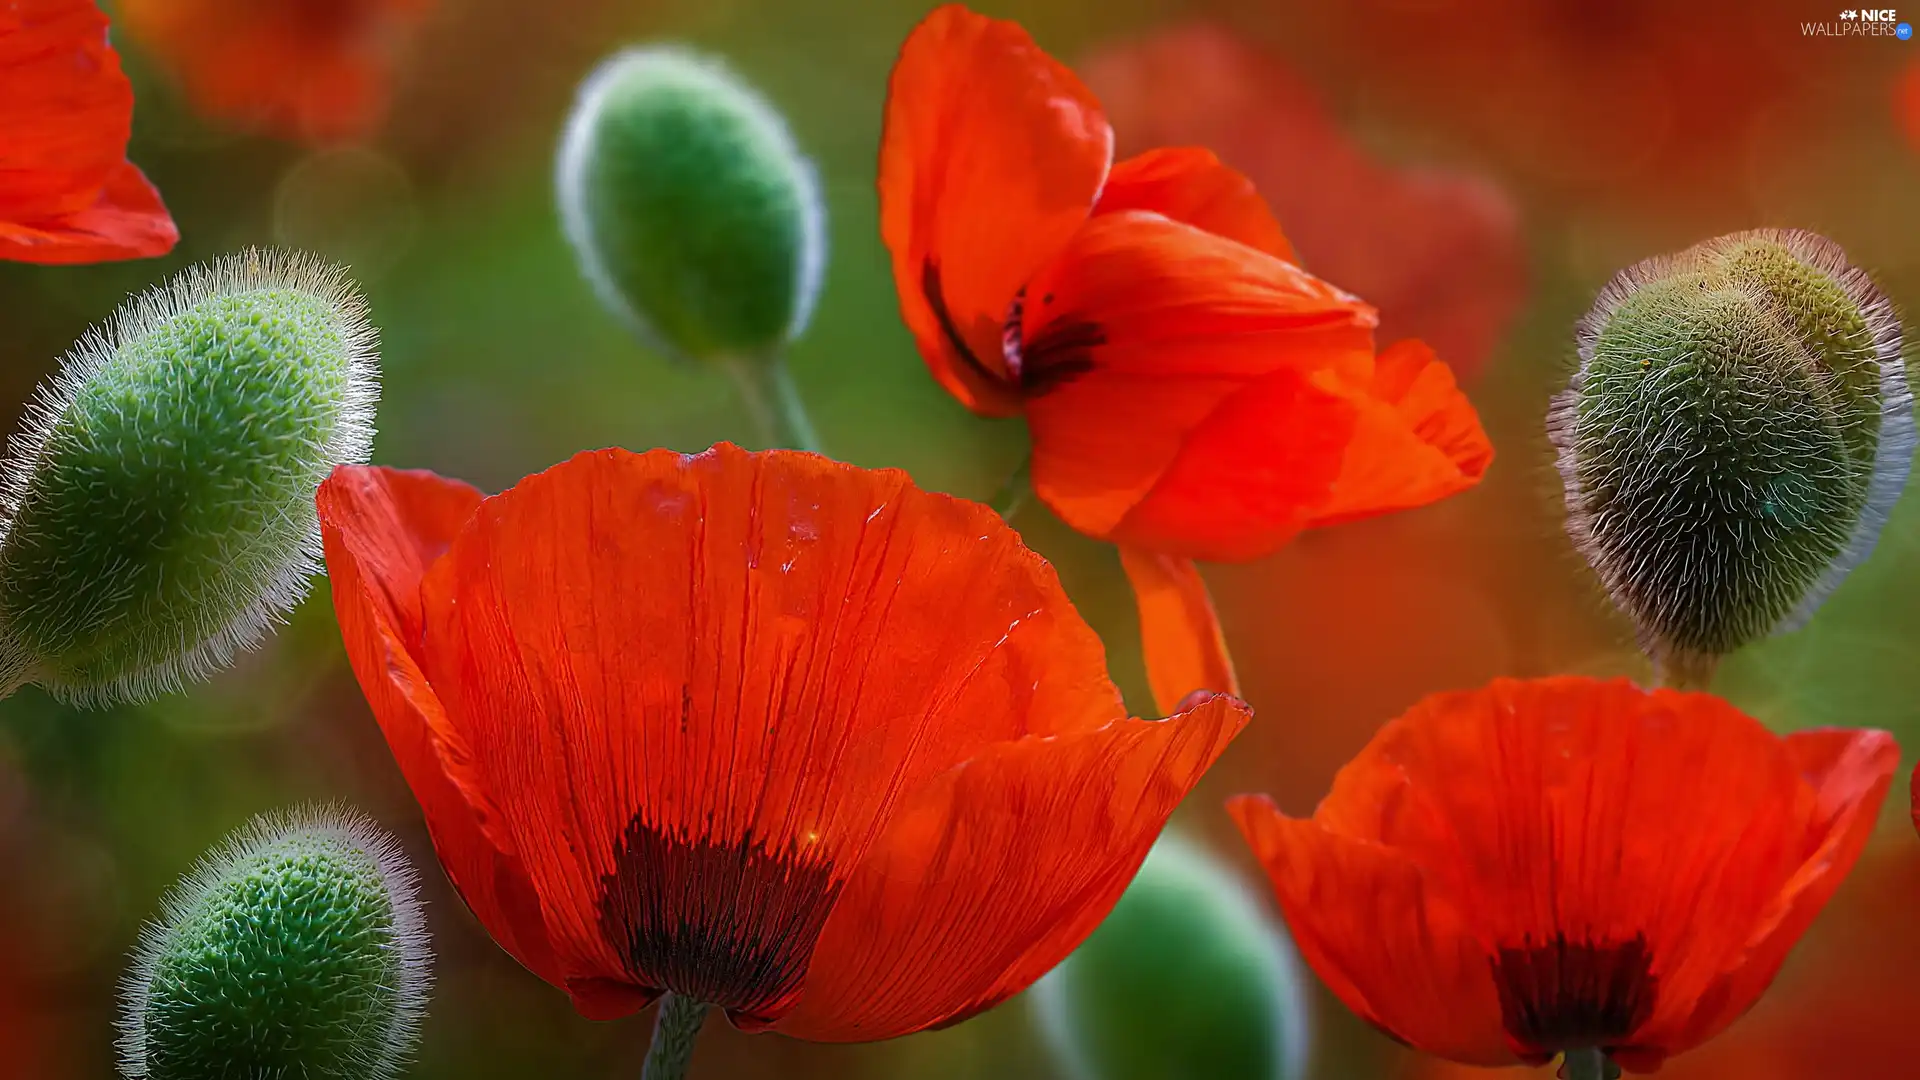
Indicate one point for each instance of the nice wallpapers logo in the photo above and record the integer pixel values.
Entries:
(1862, 22)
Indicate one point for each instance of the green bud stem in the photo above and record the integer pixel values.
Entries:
(1588, 1063)
(767, 389)
(675, 1026)
(1012, 496)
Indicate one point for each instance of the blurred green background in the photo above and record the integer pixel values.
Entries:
(1612, 132)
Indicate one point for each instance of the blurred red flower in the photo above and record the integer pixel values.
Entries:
(770, 732)
(67, 192)
(1642, 103)
(1437, 251)
(1191, 393)
(1907, 104)
(316, 71)
(1534, 867)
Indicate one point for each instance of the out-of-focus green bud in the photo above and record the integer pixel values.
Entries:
(157, 509)
(692, 212)
(1737, 432)
(1188, 979)
(297, 949)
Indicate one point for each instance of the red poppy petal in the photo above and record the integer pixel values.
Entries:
(67, 194)
(991, 156)
(1177, 387)
(1180, 636)
(994, 872)
(382, 529)
(1191, 185)
(1418, 440)
(1388, 944)
(1849, 772)
(696, 685)
(1605, 818)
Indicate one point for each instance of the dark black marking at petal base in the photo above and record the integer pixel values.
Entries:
(1564, 994)
(937, 300)
(731, 924)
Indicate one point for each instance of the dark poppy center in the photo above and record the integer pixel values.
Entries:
(730, 924)
(1562, 995)
(1057, 355)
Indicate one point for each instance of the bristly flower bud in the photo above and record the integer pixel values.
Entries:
(1737, 432)
(693, 214)
(1188, 977)
(157, 513)
(295, 949)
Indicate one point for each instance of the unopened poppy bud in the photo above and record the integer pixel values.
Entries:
(158, 499)
(1739, 427)
(1187, 977)
(692, 212)
(296, 949)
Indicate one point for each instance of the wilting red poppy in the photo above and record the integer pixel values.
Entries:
(1437, 251)
(1566, 864)
(310, 70)
(770, 732)
(1191, 393)
(67, 192)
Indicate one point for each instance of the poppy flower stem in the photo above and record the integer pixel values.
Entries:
(1589, 1063)
(767, 389)
(1012, 495)
(675, 1026)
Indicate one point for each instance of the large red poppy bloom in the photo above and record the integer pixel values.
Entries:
(1534, 867)
(1438, 251)
(309, 70)
(1191, 393)
(773, 733)
(67, 192)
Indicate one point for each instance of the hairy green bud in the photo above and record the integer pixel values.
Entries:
(295, 949)
(693, 214)
(1188, 977)
(156, 514)
(1738, 429)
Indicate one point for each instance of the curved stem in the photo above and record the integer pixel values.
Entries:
(675, 1026)
(1012, 495)
(1587, 1063)
(767, 389)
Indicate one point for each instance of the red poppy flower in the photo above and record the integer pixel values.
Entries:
(770, 732)
(1191, 393)
(310, 70)
(67, 192)
(1437, 251)
(1564, 864)
(1843, 1009)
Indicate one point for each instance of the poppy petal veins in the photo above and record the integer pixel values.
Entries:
(688, 696)
(382, 528)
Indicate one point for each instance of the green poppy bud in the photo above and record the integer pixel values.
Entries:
(693, 214)
(1737, 432)
(1188, 978)
(295, 949)
(157, 509)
